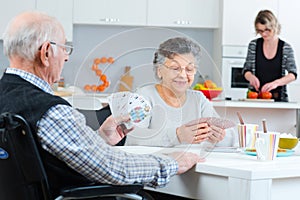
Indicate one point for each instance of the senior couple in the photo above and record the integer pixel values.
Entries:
(36, 47)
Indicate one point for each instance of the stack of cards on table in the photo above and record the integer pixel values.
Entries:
(132, 104)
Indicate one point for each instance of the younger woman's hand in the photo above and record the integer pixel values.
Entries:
(253, 80)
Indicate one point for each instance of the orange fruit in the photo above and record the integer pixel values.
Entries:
(87, 87)
(106, 83)
(110, 60)
(94, 67)
(97, 61)
(94, 88)
(99, 72)
(103, 60)
(101, 88)
(103, 78)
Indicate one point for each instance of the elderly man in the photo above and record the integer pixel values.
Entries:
(72, 152)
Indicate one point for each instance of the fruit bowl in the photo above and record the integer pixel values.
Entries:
(211, 93)
(288, 143)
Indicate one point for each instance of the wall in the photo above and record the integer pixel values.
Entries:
(130, 46)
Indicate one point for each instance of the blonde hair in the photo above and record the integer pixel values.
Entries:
(267, 18)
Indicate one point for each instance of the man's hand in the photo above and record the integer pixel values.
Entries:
(113, 130)
(186, 160)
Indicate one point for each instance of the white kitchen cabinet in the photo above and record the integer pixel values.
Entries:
(110, 12)
(238, 19)
(187, 13)
(61, 10)
(10, 8)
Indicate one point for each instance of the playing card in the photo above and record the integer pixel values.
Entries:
(139, 110)
(118, 103)
(219, 122)
(132, 104)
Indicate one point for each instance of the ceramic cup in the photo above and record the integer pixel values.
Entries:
(246, 133)
(266, 145)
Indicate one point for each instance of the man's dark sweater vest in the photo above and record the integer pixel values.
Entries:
(21, 97)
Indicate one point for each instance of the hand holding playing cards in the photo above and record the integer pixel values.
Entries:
(132, 104)
(193, 133)
(113, 130)
(216, 134)
(205, 128)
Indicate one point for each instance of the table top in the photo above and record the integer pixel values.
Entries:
(233, 164)
(244, 166)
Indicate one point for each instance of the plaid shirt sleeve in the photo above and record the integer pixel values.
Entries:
(64, 133)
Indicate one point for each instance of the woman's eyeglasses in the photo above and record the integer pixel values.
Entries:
(176, 69)
(262, 31)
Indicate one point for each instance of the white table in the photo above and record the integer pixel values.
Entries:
(236, 176)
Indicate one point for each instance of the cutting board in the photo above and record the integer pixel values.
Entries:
(258, 100)
(126, 80)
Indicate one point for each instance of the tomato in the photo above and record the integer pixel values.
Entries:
(266, 95)
(252, 95)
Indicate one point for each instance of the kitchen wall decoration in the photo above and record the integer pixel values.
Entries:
(103, 78)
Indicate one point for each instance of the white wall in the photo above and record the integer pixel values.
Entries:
(133, 46)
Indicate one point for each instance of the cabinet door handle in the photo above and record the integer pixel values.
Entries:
(182, 22)
(110, 20)
(104, 20)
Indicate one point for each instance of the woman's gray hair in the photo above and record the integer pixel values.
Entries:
(175, 46)
(28, 38)
(267, 18)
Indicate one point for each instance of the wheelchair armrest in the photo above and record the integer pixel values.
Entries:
(100, 190)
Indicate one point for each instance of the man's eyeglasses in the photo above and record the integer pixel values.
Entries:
(176, 69)
(262, 31)
(67, 48)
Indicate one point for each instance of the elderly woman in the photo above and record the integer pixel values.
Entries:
(174, 104)
(270, 63)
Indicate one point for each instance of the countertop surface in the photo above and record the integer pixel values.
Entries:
(216, 102)
(255, 104)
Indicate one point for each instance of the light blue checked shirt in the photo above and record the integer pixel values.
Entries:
(63, 132)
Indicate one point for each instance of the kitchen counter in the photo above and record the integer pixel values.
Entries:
(256, 104)
(233, 176)
(281, 116)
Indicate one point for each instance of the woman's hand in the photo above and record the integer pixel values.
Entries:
(113, 130)
(193, 134)
(216, 134)
(269, 86)
(253, 80)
